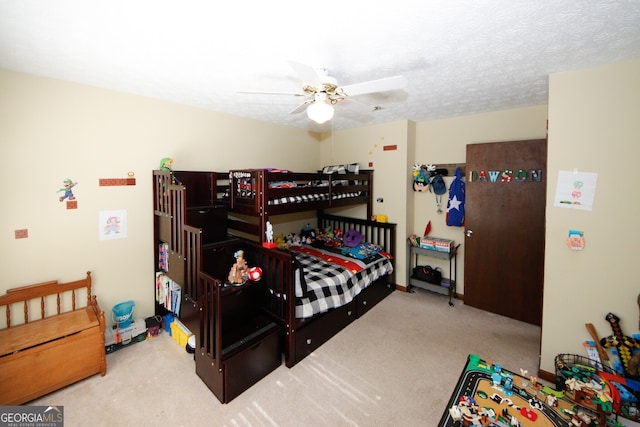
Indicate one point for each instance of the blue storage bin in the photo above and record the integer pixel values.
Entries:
(123, 313)
(168, 319)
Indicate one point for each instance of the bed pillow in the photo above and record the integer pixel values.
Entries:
(342, 169)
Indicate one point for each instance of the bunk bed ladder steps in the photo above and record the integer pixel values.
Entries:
(228, 369)
(190, 311)
(208, 367)
(176, 239)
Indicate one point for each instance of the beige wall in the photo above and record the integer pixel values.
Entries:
(52, 130)
(594, 126)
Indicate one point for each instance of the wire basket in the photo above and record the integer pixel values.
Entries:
(572, 366)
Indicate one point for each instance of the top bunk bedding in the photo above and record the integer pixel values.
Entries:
(272, 192)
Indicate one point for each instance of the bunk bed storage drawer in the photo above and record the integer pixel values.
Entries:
(372, 295)
(258, 357)
(313, 334)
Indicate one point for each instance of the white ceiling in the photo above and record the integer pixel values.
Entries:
(459, 56)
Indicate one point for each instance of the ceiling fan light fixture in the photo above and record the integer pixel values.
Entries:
(319, 111)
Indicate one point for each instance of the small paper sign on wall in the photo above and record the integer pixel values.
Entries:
(575, 190)
(112, 225)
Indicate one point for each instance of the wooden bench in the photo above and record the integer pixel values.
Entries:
(42, 352)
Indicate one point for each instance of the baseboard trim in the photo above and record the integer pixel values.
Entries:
(547, 376)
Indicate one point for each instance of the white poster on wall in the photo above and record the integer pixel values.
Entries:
(112, 225)
(575, 190)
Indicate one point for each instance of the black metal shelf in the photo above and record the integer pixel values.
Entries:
(412, 260)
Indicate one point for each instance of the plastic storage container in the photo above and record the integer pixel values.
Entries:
(123, 313)
(168, 320)
(180, 333)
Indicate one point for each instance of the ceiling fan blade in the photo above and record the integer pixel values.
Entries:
(381, 85)
(307, 74)
(258, 92)
(302, 107)
(356, 106)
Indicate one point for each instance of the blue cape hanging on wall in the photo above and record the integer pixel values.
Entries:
(455, 205)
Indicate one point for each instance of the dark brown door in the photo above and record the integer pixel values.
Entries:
(505, 228)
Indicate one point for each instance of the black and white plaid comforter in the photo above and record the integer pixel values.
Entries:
(311, 198)
(326, 285)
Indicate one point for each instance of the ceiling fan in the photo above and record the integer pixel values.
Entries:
(323, 92)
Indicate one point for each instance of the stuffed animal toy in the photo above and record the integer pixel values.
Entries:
(255, 273)
(280, 242)
(308, 235)
(352, 238)
(421, 180)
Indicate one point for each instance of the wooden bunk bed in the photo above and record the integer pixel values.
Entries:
(200, 264)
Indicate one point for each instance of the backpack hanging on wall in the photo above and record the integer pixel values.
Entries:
(439, 188)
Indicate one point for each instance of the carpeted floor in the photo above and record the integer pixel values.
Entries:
(396, 366)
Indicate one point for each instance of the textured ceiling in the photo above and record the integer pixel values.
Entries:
(459, 56)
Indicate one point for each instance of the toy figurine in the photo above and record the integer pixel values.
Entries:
(268, 235)
(239, 272)
(269, 232)
(68, 184)
(166, 164)
(508, 385)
